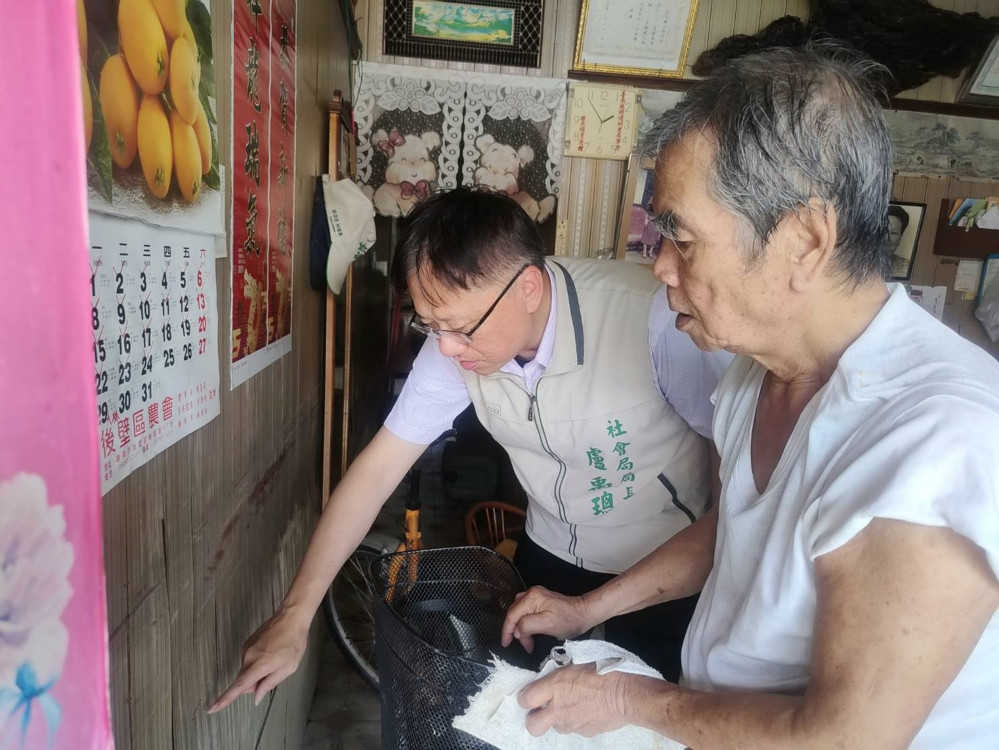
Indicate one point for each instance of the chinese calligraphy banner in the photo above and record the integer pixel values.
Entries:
(263, 210)
(53, 627)
(152, 151)
(155, 339)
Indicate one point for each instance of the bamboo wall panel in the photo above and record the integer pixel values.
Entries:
(202, 542)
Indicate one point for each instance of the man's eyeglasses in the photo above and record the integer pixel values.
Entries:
(465, 337)
(666, 225)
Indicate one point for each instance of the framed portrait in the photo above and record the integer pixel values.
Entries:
(982, 84)
(645, 38)
(492, 32)
(637, 238)
(905, 220)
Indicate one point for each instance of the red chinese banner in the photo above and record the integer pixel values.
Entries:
(251, 80)
(282, 170)
(264, 69)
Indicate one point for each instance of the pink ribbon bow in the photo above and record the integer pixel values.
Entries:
(388, 146)
(421, 189)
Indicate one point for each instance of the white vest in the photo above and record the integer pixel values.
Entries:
(610, 469)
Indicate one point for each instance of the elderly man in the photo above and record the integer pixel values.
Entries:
(577, 369)
(849, 574)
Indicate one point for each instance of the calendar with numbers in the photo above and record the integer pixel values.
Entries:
(155, 327)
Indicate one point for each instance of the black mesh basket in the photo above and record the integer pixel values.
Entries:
(438, 617)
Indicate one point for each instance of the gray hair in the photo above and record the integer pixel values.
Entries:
(790, 126)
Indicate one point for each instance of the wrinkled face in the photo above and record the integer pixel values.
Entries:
(894, 232)
(504, 335)
(724, 299)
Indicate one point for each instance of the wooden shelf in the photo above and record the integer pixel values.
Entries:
(684, 84)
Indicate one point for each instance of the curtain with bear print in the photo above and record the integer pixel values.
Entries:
(408, 134)
(513, 140)
(416, 127)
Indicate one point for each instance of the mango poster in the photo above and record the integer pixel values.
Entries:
(148, 84)
(263, 184)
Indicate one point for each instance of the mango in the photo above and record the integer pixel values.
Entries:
(203, 132)
(155, 145)
(187, 33)
(172, 14)
(186, 157)
(88, 110)
(81, 28)
(185, 75)
(119, 100)
(144, 44)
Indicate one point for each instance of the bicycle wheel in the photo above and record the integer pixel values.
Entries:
(349, 608)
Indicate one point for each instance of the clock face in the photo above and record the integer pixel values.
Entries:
(601, 121)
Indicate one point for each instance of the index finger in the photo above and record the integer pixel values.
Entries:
(538, 693)
(244, 683)
(513, 616)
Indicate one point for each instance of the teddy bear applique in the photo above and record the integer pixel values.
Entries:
(499, 172)
(410, 173)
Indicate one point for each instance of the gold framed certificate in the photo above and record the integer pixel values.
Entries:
(646, 38)
(982, 85)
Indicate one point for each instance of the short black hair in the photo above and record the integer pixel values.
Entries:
(899, 213)
(464, 237)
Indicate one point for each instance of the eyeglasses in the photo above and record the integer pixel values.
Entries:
(666, 226)
(465, 337)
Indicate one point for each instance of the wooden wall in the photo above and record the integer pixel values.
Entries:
(202, 542)
(588, 211)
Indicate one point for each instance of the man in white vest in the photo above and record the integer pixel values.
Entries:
(576, 368)
(849, 573)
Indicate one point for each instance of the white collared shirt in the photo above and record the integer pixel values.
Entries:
(905, 429)
(435, 391)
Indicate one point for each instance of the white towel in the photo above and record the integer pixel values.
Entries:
(495, 716)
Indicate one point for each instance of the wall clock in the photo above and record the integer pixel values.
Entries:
(601, 121)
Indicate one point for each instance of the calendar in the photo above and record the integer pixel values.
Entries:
(155, 351)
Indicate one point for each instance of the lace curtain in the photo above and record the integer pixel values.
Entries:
(417, 127)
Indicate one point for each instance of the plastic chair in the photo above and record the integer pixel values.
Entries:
(495, 525)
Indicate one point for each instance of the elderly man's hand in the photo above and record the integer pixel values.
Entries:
(576, 699)
(539, 610)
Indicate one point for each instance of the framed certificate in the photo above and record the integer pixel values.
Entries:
(982, 85)
(647, 38)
